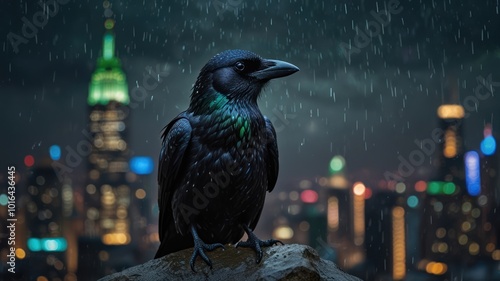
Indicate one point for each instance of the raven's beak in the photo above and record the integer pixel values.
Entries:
(274, 69)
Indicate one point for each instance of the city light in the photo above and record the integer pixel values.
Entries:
(309, 196)
(283, 233)
(4, 199)
(496, 255)
(451, 111)
(20, 253)
(55, 152)
(333, 213)
(109, 24)
(412, 201)
(29, 160)
(34, 244)
(420, 186)
(472, 173)
(116, 238)
(108, 49)
(433, 187)
(359, 213)
(398, 243)
(449, 188)
(400, 187)
(440, 187)
(141, 165)
(358, 188)
(337, 164)
(140, 193)
(53, 244)
(450, 144)
(339, 182)
(436, 268)
(488, 145)
(368, 193)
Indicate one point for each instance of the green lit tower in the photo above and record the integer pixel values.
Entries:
(108, 192)
(108, 83)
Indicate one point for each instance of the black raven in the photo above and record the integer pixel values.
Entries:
(218, 158)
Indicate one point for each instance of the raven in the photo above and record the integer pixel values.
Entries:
(218, 158)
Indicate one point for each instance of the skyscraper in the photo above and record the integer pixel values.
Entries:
(489, 197)
(441, 223)
(108, 195)
(455, 225)
(49, 243)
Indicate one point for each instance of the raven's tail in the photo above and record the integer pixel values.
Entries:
(174, 242)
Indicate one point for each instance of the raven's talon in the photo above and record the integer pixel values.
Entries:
(255, 243)
(199, 248)
(271, 242)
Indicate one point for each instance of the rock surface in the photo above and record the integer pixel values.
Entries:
(288, 262)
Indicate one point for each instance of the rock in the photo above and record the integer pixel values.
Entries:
(287, 262)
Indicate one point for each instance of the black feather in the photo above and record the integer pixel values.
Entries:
(220, 156)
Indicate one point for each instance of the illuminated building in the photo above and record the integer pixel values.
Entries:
(338, 198)
(358, 211)
(456, 224)
(344, 215)
(489, 199)
(451, 118)
(300, 217)
(51, 241)
(398, 243)
(108, 196)
(383, 252)
(315, 216)
(442, 217)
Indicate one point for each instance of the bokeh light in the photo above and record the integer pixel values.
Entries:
(29, 160)
(358, 188)
(412, 201)
(309, 196)
(488, 145)
(55, 152)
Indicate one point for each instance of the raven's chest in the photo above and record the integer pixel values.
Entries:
(230, 128)
(231, 142)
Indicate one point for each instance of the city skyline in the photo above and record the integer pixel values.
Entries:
(371, 129)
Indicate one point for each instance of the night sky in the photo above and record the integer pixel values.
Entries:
(369, 108)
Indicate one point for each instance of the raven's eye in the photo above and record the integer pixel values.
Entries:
(239, 66)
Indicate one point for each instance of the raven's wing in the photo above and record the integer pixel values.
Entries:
(272, 156)
(272, 164)
(176, 138)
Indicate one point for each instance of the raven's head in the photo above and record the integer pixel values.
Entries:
(238, 75)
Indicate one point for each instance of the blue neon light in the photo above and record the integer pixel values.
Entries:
(412, 201)
(472, 173)
(52, 244)
(142, 165)
(4, 199)
(34, 244)
(488, 145)
(55, 152)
